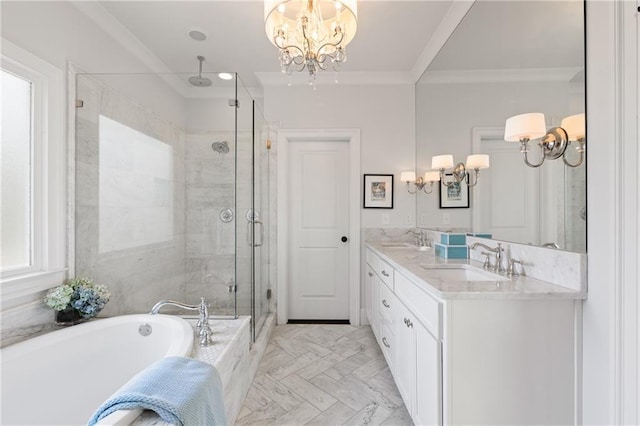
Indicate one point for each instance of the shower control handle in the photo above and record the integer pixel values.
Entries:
(344, 239)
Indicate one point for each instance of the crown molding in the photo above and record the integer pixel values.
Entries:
(328, 78)
(110, 25)
(500, 75)
(455, 14)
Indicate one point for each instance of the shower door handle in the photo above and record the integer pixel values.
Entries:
(259, 236)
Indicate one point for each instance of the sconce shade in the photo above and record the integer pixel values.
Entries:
(408, 176)
(575, 126)
(525, 126)
(477, 161)
(442, 161)
(432, 176)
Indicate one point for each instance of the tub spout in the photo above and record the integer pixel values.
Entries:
(160, 304)
(204, 330)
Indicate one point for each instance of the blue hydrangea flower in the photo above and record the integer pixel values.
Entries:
(80, 294)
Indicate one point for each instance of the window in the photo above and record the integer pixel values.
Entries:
(32, 175)
(16, 147)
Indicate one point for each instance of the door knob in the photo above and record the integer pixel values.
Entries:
(344, 239)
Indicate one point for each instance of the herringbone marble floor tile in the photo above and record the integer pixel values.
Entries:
(323, 375)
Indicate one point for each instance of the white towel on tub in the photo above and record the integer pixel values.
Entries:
(182, 391)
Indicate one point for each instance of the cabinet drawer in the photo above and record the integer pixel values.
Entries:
(387, 302)
(386, 343)
(424, 307)
(372, 260)
(385, 272)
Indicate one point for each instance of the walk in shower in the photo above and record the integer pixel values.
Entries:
(172, 192)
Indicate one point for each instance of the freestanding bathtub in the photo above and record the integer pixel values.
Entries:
(62, 377)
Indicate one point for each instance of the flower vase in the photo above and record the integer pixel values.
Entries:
(68, 316)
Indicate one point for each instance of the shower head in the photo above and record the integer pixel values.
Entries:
(199, 80)
(220, 147)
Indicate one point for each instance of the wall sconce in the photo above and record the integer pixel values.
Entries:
(460, 171)
(420, 183)
(553, 143)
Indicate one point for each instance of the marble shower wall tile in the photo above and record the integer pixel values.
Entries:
(210, 242)
(137, 276)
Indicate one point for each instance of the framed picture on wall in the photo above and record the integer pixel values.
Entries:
(454, 197)
(378, 192)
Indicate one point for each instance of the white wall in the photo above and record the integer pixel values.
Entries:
(610, 326)
(59, 33)
(384, 115)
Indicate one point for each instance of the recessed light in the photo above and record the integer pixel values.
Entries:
(225, 76)
(197, 34)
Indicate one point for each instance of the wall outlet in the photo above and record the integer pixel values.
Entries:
(408, 219)
(385, 218)
(423, 219)
(446, 218)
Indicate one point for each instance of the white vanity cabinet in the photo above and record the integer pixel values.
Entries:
(372, 294)
(418, 355)
(388, 306)
(462, 357)
(380, 302)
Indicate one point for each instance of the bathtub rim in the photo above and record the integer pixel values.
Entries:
(178, 347)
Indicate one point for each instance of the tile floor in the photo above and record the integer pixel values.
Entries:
(323, 375)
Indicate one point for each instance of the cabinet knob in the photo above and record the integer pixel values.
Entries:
(384, 342)
(385, 303)
(385, 273)
(370, 274)
(344, 239)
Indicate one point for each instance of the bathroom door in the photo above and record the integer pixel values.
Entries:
(318, 230)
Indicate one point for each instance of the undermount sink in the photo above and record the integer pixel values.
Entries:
(463, 273)
(398, 245)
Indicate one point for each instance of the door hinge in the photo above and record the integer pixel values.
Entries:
(268, 294)
(79, 103)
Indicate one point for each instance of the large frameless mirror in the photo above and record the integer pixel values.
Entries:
(506, 58)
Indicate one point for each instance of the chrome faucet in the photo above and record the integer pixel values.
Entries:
(498, 267)
(511, 272)
(421, 238)
(204, 330)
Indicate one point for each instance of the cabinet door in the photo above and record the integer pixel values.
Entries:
(428, 404)
(375, 306)
(368, 293)
(405, 355)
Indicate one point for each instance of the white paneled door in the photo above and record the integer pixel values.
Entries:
(318, 230)
(508, 182)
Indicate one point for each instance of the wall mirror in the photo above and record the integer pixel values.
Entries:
(507, 58)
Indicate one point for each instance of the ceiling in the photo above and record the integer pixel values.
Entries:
(390, 38)
(516, 34)
(395, 39)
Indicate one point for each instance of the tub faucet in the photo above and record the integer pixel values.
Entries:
(498, 267)
(204, 330)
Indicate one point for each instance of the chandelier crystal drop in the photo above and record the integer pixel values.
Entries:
(310, 34)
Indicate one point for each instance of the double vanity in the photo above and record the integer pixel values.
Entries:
(468, 345)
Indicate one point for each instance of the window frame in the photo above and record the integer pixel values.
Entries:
(48, 265)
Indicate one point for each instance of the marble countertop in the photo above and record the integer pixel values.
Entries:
(422, 268)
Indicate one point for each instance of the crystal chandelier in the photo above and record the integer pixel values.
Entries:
(310, 33)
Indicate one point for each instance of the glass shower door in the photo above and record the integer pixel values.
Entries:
(260, 222)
